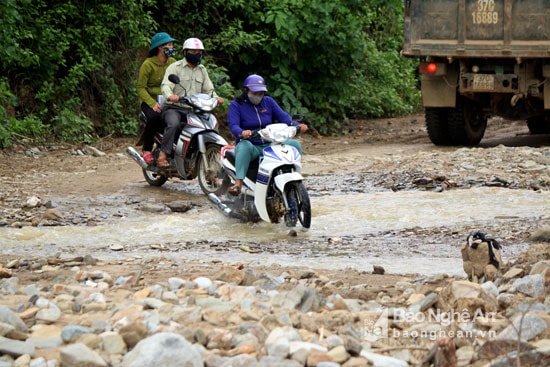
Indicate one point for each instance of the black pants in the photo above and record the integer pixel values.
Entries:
(175, 119)
(154, 125)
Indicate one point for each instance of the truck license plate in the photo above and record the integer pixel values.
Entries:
(484, 82)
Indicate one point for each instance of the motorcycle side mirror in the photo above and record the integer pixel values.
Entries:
(174, 78)
(221, 81)
(297, 117)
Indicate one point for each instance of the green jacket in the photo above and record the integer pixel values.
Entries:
(194, 80)
(150, 77)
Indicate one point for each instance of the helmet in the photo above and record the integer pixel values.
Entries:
(160, 39)
(255, 83)
(193, 44)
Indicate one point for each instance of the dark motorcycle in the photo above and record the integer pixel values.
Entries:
(196, 153)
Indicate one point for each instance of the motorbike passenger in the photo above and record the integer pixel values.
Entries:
(253, 110)
(194, 79)
(151, 73)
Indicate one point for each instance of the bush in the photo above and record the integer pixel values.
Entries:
(70, 68)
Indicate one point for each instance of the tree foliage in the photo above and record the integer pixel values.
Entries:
(69, 67)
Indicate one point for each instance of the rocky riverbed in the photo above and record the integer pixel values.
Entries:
(82, 312)
(70, 307)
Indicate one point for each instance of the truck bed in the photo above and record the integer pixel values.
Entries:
(477, 28)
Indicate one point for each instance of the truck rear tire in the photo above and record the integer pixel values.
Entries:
(437, 126)
(539, 124)
(467, 123)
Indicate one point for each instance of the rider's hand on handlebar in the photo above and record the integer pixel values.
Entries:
(220, 100)
(303, 128)
(174, 98)
(246, 134)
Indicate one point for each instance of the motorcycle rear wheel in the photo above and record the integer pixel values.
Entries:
(300, 206)
(154, 179)
(212, 178)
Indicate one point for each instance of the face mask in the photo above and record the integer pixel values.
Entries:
(193, 59)
(169, 52)
(255, 99)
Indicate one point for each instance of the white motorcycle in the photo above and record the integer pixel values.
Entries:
(273, 187)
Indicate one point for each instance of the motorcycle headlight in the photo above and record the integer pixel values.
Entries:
(279, 132)
(203, 102)
(283, 135)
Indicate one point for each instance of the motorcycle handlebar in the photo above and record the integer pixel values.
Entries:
(256, 133)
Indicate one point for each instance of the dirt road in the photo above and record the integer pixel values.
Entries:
(386, 155)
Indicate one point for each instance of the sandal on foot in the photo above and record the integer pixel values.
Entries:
(147, 157)
(163, 163)
(234, 190)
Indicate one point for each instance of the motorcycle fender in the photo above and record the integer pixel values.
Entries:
(282, 180)
(210, 137)
(260, 192)
(260, 195)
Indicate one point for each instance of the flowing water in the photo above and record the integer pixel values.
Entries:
(342, 234)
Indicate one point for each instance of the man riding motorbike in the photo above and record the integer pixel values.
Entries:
(194, 79)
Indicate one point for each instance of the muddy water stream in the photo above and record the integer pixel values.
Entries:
(341, 234)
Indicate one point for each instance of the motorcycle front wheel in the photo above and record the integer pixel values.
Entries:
(212, 178)
(299, 205)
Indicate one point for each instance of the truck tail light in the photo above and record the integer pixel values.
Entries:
(433, 68)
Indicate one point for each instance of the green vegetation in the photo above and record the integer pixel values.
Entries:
(69, 67)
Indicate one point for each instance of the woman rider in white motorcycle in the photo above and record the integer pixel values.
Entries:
(253, 110)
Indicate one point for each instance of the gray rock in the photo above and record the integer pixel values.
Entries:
(37, 362)
(6, 361)
(79, 355)
(271, 361)
(180, 206)
(11, 318)
(93, 151)
(505, 299)
(530, 285)
(176, 283)
(490, 288)
(379, 360)
(214, 304)
(278, 341)
(71, 332)
(15, 347)
(268, 282)
(187, 315)
(328, 364)
(424, 303)
(113, 343)
(540, 267)
(528, 326)
(163, 349)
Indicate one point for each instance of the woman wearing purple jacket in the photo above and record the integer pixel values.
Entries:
(253, 110)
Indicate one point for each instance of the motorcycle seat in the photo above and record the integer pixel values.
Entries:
(252, 168)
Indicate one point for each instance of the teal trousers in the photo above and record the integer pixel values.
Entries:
(246, 152)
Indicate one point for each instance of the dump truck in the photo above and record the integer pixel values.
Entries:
(480, 59)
